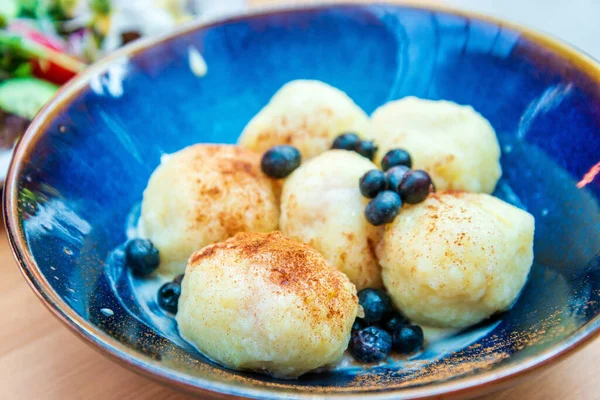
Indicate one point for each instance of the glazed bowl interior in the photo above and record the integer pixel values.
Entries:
(78, 176)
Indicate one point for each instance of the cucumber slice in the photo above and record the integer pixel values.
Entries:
(25, 96)
(9, 9)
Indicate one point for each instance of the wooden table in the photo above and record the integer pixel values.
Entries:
(40, 358)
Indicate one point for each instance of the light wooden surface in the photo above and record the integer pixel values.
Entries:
(41, 359)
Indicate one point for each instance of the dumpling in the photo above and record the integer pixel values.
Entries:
(204, 194)
(266, 303)
(453, 143)
(306, 114)
(321, 205)
(456, 258)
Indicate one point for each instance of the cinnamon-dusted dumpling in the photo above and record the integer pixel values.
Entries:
(456, 258)
(455, 144)
(266, 303)
(306, 114)
(205, 194)
(321, 205)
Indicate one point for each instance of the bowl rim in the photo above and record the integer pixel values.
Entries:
(485, 381)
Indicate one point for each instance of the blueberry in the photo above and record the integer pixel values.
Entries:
(168, 296)
(415, 186)
(372, 183)
(178, 279)
(370, 344)
(393, 321)
(408, 339)
(375, 303)
(383, 208)
(346, 141)
(366, 149)
(396, 157)
(280, 161)
(395, 175)
(141, 256)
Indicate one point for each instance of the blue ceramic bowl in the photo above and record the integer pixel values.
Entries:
(81, 168)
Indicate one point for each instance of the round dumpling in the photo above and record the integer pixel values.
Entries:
(321, 205)
(266, 303)
(454, 144)
(456, 258)
(204, 194)
(306, 114)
